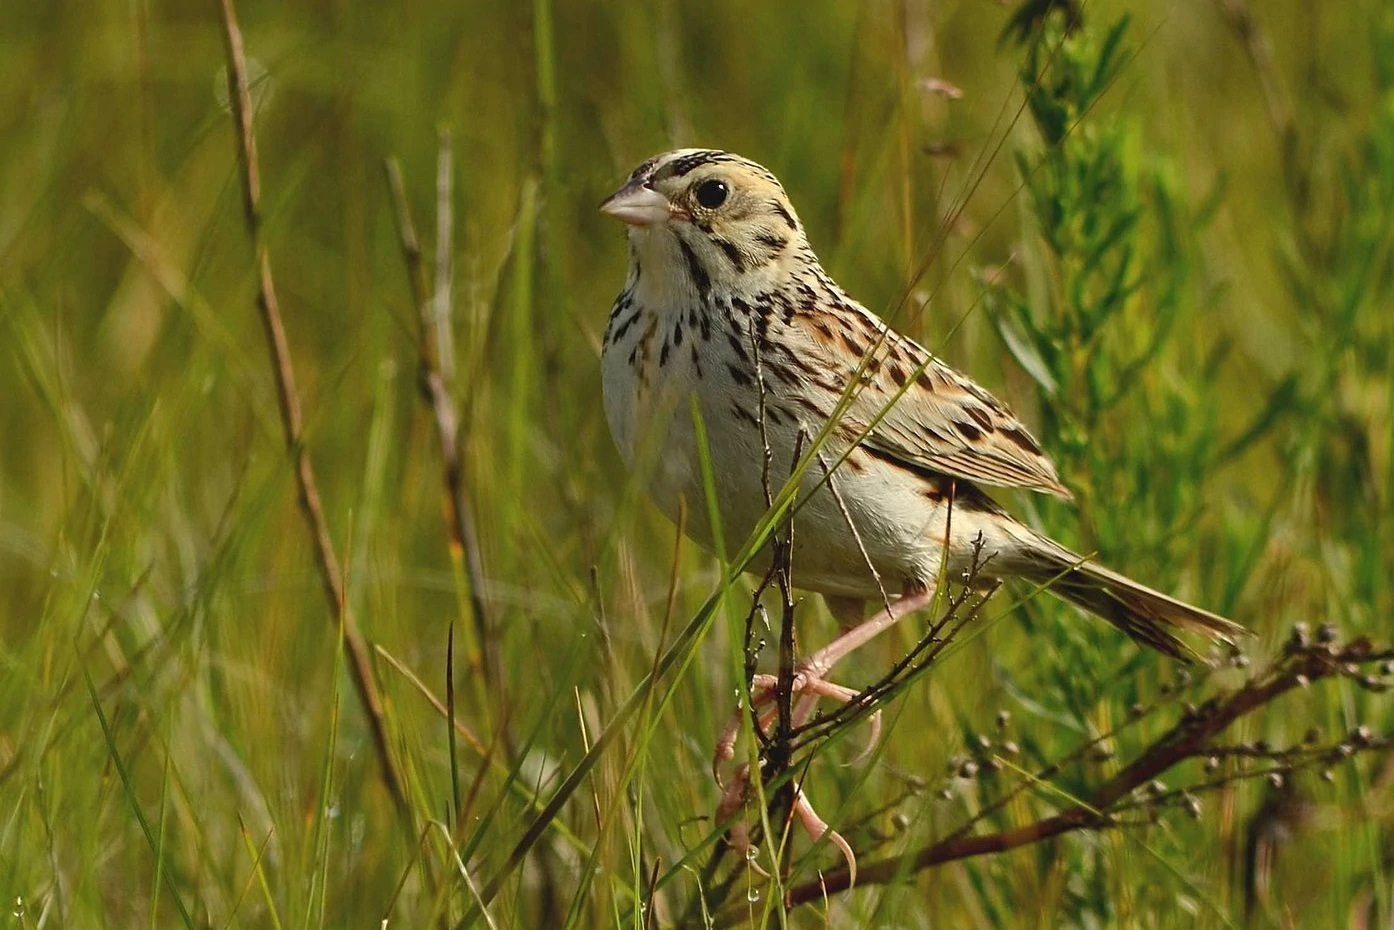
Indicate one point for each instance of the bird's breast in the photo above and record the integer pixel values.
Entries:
(760, 406)
(663, 374)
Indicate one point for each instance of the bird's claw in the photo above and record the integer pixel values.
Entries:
(738, 836)
(808, 688)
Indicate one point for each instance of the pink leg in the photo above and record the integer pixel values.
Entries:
(816, 827)
(809, 686)
(732, 797)
(818, 664)
(762, 693)
(809, 683)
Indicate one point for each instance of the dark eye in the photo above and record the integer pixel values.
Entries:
(712, 194)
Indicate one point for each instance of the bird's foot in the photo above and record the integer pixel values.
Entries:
(737, 792)
(806, 688)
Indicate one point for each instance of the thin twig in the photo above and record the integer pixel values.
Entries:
(443, 297)
(778, 753)
(766, 463)
(650, 900)
(852, 526)
(788, 654)
(464, 542)
(292, 422)
(438, 705)
(1188, 739)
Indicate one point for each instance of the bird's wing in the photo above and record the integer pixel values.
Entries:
(915, 409)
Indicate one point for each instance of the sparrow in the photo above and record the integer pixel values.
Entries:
(726, 302)
(730, 342)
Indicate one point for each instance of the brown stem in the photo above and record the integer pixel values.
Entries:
(292, 422)
(778, 752)
(788, 655)
(1187, 739)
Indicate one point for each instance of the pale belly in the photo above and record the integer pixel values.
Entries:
(868, 531)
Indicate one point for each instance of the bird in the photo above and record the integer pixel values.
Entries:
(732, 359)
(726, 304)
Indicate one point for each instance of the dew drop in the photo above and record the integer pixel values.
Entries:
(753, 896)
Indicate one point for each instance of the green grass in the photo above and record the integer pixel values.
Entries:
(1177, 265)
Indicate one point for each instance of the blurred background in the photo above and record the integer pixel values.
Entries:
(1188, 290)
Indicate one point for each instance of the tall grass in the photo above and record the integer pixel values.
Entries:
(1168, 244)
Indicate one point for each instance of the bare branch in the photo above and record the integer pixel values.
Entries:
(1190, 738)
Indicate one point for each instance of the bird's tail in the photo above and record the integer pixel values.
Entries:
(1148, 616)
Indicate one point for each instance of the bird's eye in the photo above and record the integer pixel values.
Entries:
(712, 194)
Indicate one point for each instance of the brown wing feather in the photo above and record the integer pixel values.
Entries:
(941, 421)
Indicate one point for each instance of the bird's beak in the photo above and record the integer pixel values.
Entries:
(638, 205)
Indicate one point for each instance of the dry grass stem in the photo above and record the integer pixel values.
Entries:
(292, 421)
(434, 385)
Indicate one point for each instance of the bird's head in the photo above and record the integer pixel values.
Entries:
(705, 223)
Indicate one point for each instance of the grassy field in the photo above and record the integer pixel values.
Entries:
(1167, 241)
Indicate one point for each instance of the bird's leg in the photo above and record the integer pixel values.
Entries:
(809, 686)
(816, 827)
(818, 664)
(763, 691)
(733, 795)
(808, 677)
